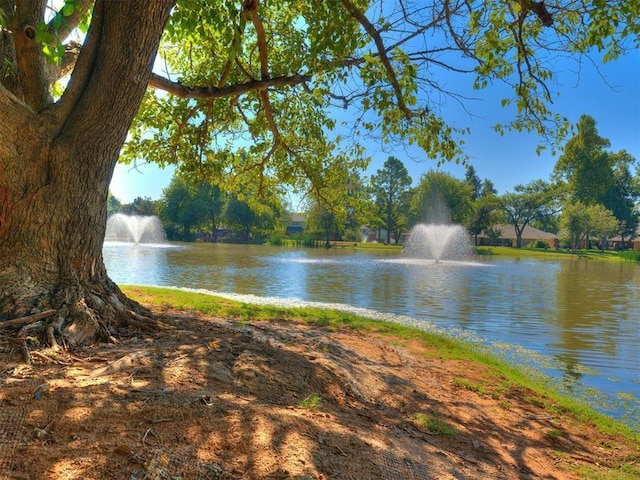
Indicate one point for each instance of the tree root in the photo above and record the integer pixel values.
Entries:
(24, 350)
(81, 314)
(29, 322)
(28, 319)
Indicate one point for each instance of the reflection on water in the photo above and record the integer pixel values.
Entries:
(585, 316)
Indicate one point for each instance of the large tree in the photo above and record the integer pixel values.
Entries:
(594, 175)
(580, 222)
(574, 224)
(623, 195)
(585, 164)
(485, 207)
(241, 93)
(390, 186)
(248, 219)
(440, 198)
(528, 203)
(186, 204)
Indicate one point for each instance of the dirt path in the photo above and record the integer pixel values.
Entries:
(211, 399)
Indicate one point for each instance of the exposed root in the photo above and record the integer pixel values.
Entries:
(50, 356)
(28, 319)
(144, 323)
(80, 316)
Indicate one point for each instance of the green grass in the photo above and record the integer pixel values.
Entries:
(500, 378)
(311, 402)
(378, 246)
(479, 388)
(433, 423)
(561, 253)
(446, 348)
(630, 470)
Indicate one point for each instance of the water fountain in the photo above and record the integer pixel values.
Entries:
(135, 229)
(438, 242)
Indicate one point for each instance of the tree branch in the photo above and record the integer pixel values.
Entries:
(183, 91)
(540, 9)
(55, 72)
(72, 21)
(31, 78)
(251, 9)
(14, 108)
(106, 70)
(386, 62)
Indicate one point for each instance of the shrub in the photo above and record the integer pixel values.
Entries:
(276, 239)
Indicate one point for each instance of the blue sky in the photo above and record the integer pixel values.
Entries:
(609, 93)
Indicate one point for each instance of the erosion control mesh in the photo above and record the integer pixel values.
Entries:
(394, 467)
(11, 423)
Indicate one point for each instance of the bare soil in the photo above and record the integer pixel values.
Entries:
(207, 398)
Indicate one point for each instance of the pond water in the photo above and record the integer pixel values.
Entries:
(577, 321)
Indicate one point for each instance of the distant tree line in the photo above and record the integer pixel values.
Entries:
(592, 196)
(193, 211)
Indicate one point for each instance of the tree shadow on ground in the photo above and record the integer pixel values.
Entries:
(214, 399)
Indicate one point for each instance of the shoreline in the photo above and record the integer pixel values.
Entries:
(224, 390)
(530, 363)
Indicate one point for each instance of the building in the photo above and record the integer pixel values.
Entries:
(507, 237)
(296, 223)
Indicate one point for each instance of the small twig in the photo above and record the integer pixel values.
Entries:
(160, 420)
(163, 391)
(146, 434)
(48, 357)
(175, 359)
(340, 450)
(541, 416)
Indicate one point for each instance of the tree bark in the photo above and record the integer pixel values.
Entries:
(56, 163)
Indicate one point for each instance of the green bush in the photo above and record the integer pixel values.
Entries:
(277, 239)
(630, 255)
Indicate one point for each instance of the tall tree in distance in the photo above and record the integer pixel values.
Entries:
(340, 218)
(211, 198)
(527, 204)
(113, 205)
(574, 224)
(321, 222)
(484, 205)
(597, 176)
(472, 178)
(143, 206)
(623, 196)
(441, 198)
(579, 222)
(390, 186)
(188, 204)
(246, 99)
(585, 165)
(604, 225)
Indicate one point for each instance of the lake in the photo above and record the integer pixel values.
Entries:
(577, 321)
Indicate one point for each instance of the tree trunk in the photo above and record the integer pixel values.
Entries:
(56, 165)
(52, 228)
(519, 230)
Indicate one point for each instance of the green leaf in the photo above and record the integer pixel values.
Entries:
(69, 7)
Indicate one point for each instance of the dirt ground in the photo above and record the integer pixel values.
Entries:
(207, 398)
